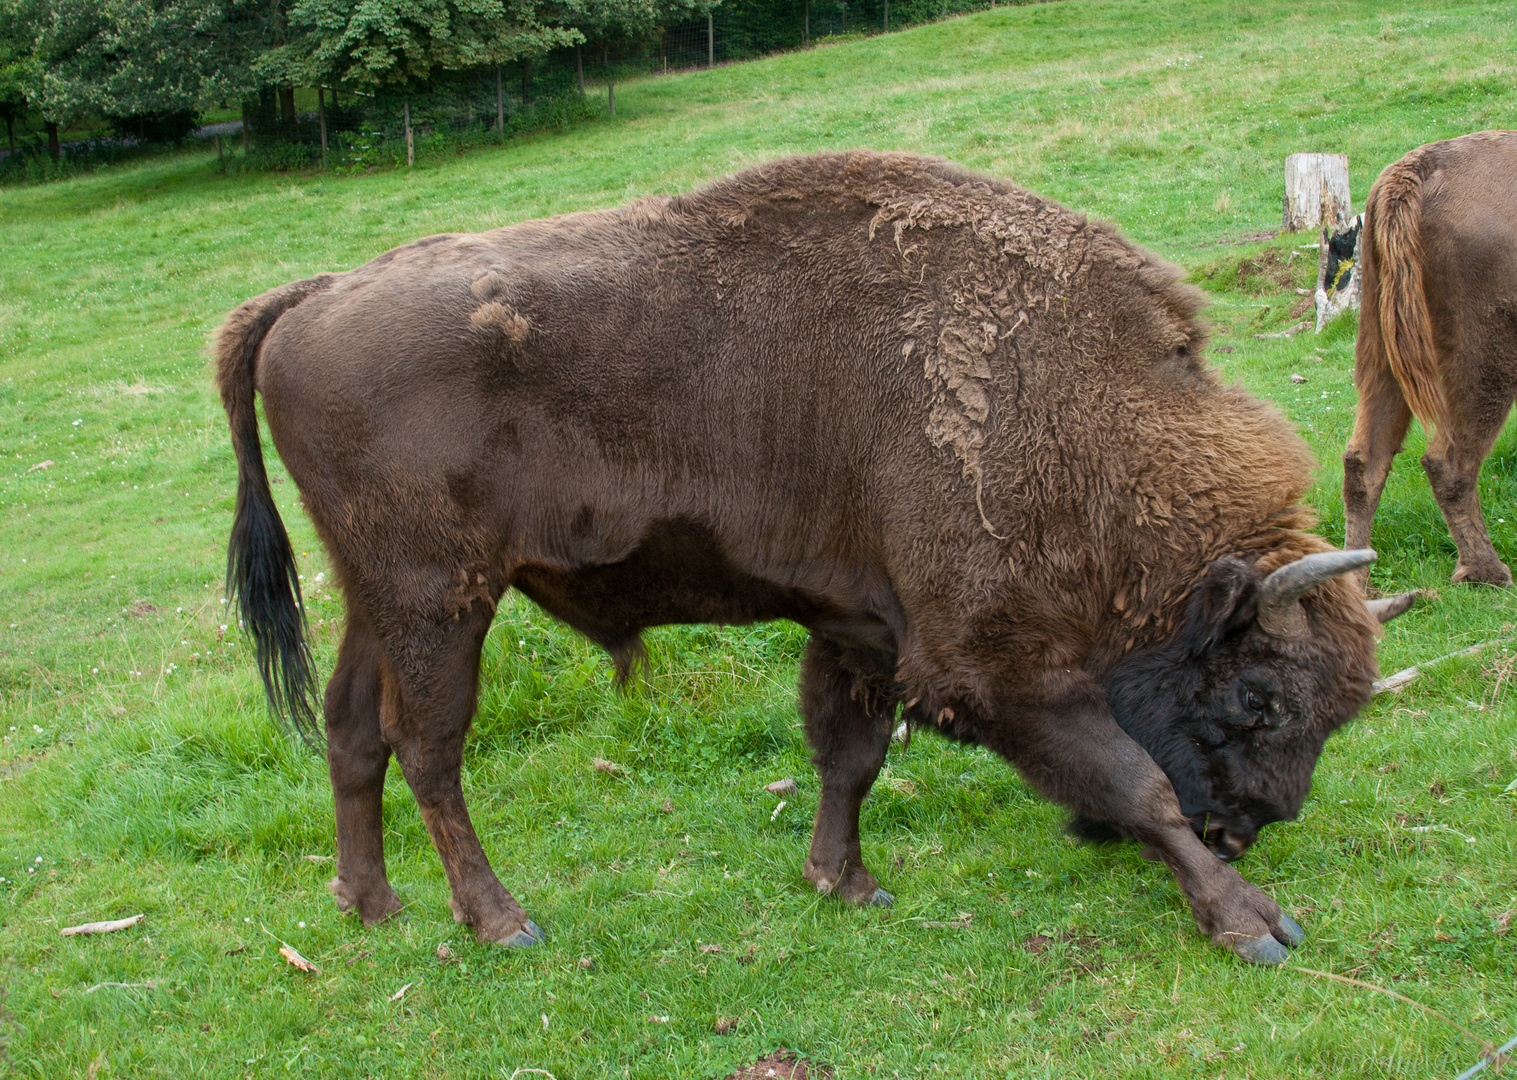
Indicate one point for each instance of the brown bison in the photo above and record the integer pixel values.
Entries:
(960, 433)
(1438, 332)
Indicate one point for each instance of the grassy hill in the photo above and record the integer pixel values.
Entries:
(143, 774)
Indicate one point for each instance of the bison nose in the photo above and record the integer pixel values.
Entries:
(1226, 844)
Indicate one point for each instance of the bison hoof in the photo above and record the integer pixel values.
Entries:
(1260, 950)
(1289, 931)
(374, 904)
(1495, 574)
(881, 898)
(527, 936)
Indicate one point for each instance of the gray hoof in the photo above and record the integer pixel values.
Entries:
(1260, 950)
(881, 898)
(524, 938)
(1289, 931)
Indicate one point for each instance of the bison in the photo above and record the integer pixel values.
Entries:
(1437, 332)
(960, 433)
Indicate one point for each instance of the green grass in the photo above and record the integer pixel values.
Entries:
(145, 773)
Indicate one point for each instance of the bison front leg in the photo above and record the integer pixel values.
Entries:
(1064, 740)
(847, 702)
(426, 718)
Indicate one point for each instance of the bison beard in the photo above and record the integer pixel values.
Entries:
(959, 432)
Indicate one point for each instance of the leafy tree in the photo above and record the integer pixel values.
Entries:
(399, 44)
(17, 66)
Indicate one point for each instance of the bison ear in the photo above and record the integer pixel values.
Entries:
(1224, 602)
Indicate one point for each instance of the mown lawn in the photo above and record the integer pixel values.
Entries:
(142, 772)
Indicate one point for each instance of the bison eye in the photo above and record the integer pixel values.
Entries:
(1255, 702)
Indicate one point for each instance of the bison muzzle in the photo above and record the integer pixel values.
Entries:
(962, 434)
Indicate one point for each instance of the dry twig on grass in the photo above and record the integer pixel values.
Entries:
(108, 927)
(1486, 1049)
(1394, 683)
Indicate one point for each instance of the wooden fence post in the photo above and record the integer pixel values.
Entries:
(1316, 192)
(710, 41)
(410, 144)
(500, 102)
(321, 120)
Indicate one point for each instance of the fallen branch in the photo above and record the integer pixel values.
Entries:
(1488, 1051)
(1394, 683)
(1288, 332)
(108, 927)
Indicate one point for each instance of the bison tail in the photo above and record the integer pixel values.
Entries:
(1393, 246)
(263, 581)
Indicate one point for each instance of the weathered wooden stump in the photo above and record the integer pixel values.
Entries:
(1316, 192)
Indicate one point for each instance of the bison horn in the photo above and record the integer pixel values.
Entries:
(1387, 608)
(1280, 613)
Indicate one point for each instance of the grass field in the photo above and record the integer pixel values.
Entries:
(143, 774)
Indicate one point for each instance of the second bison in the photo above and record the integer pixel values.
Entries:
(962, 434)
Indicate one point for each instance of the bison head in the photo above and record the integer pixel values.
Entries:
(1235, 708)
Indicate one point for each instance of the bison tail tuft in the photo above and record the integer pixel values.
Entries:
(263, 581)
(1392, 245)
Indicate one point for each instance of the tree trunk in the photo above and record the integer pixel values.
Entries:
(52, 139)
(710, 41)
(500, 105)
(287, 104)
(410, 144)
(321, 119)
(579, 67)
(605, 63)
(1316, 192)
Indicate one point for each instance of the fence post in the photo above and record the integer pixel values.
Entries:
(321, 120)
(806, 25)
(500, 106)
(887, 16)
(579, 67)
(410, 145)
(710, 41)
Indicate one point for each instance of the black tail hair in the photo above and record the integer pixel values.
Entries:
(263, 580)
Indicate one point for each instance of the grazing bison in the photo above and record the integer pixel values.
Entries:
(1438, 332)
(960, 433)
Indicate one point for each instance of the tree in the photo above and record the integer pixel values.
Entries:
(399, 44)
(17, 66)
(142, 61)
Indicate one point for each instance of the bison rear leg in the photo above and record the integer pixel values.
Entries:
(426, 712)
(357, 759)
(1380, 424)
(847, 701)
(1454, 455)
(1061, 735)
